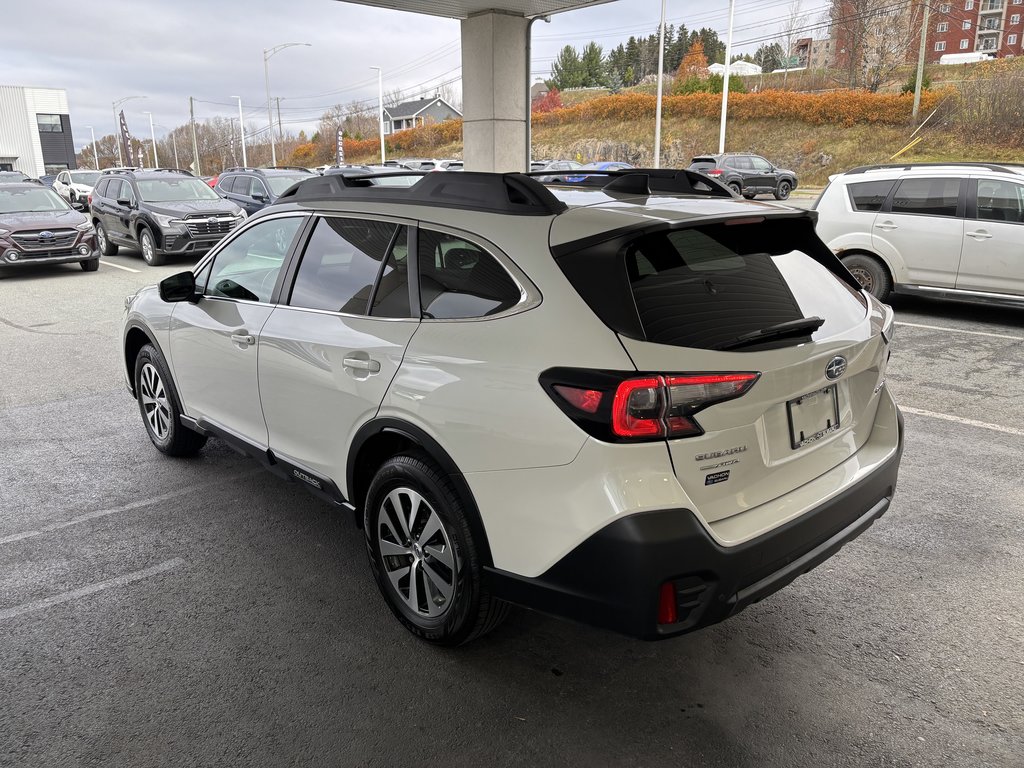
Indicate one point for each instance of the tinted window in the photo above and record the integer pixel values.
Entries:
(739, 163)
(760, 164)
(248, 266)
(870, 195)
(460, 279)
(1000, 201)
(278, 184)
(227, 183)
(391, 298)
(931, 197)
(341, 263)
(257, 188)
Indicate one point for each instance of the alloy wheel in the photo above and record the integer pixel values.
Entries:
(417, 553)
(146, 240)
(155, 405)
(101, 238)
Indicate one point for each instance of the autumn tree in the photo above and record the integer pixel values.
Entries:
(694, 63)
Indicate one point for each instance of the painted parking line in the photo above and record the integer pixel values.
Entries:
(91, 589)
(960, 330)
(118, 266)
(961, 420)
(123, 508)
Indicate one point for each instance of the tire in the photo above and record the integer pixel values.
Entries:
(435, 553)
(749, 195)
(735, 188)
(150, 254)
(872, 274)
(89, 265)
(782, 191)
(160, 407)
(107, 248)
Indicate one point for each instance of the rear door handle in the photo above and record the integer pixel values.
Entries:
(981, 234)
(361, 364)
(887, 226)
(242, 338)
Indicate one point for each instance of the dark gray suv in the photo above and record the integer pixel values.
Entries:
(162, 212)
(255, 188)
(747, 175)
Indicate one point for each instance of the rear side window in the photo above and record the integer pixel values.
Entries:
(870, 195)
(929, 197)
(459, 279)
(340, 264)
(1000, 201)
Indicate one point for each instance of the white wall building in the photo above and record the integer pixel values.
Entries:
(35, 130)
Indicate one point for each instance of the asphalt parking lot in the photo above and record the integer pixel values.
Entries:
(199, 612)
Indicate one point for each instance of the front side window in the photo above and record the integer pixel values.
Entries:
(929, 197)
(459, 279)
(760, 164)
(248, 266)
(340, 264)
(49, 124)
(1000, 201)
(870, 195)
(278, 184)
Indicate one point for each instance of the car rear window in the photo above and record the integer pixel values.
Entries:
(703, 287)
(870, 195)
(702, 163)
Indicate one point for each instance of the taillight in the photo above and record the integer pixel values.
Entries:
(89, 198)
(714, 172)
(616, 406)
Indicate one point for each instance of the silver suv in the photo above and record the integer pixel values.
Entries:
(636, 401)
(952, 230)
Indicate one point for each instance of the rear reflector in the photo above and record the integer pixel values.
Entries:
(667, 604)
(587, 400)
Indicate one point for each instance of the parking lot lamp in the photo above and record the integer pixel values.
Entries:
(661, 79)
(117, 125)
(725, 81)
(267, 53)
(241, 127)
(95, 152)
(152, 136)
(380, 109)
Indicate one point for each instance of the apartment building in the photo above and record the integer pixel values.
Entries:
(994, 27)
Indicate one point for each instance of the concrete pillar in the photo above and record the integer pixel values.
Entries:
(494, 93)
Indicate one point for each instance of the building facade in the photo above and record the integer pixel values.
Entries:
(410, 114)
(35, 130)
(991, 27)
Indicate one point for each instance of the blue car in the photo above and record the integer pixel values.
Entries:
(602, 166)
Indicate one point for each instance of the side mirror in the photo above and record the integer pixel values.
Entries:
(78, 205)
(124, 201)
(179, 287)
(259, 198)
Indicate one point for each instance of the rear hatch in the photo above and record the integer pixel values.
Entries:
(761, 296)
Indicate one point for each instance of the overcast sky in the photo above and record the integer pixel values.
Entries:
(169, 50)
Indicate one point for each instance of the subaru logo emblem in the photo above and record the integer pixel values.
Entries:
(836, 367)
(212, 220)
(46, 235)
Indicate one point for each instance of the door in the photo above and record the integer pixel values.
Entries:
(993, 254)
(62, 184)
(118, 218)
(742, 167)
(923, 230)
(329, 353)
(764, 174)
(213, 342)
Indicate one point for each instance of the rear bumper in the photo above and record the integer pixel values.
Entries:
(613, 578)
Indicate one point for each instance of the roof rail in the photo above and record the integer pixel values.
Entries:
(167, 170)
(911, 166)
(644, 181)
(509, 193)
(120, 170)
(239, 169)
(287, 168)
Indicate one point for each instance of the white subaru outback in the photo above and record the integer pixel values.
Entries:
(636, 402)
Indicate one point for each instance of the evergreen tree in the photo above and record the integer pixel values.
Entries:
(567, 69)
(769, 56)
(592, 65)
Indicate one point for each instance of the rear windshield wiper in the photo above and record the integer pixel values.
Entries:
(801, 327)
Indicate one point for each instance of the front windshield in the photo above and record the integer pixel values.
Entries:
(88, 178)
(30, 201)
(175, 190)
(279, 184)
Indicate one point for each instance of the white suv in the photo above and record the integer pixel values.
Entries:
(945, 230)
(643, 406)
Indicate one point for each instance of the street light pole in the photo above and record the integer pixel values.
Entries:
(241, 128)
(152, 135)
(95, 152)
(725, 81)
(380, 109)
(661, 78)
(117, 124)
(267, 53)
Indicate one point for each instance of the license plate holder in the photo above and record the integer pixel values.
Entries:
(813, 416)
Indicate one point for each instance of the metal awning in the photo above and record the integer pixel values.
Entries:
(462, 9)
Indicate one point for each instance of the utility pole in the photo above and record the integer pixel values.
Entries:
(920, 58)
(241, 128)
(661, 78)
(95, 152)
(280, 125)
(267, 53)
(152, 136)
(195, 144)
(174, 143)
(380, 109)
